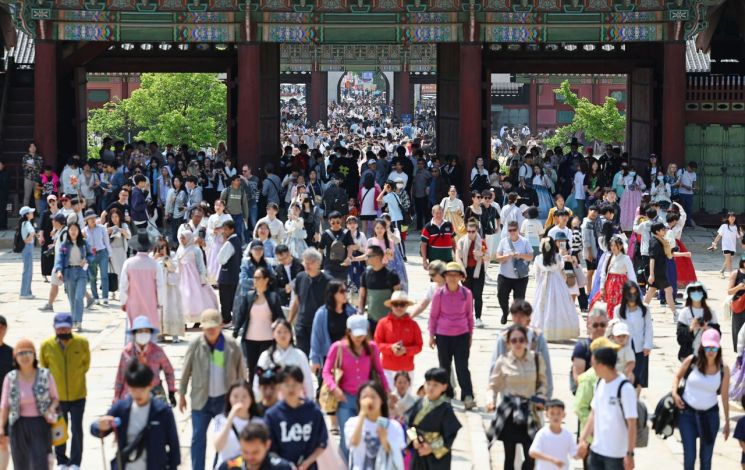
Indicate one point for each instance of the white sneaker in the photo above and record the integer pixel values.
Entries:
(478, 323)
(63, 467)
(73, 467)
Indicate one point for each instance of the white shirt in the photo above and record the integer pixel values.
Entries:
(367, 203)
(560, 446)
(276, 228)
(138, 416)
(620, 264)
(688, 179)
(579, 185)
(640, 327)
(226, 251)
(393, 203)
(363, 455)
(729, 236)
(291, 356)
(567, 231)
(610, 435)
(232, 448)
(701, 390)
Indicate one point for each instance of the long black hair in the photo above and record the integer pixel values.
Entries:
(253, 410)
(80, 241)
(549, 256)
(626, 293)
(276, 324)
(334, 286)
(707, 311)
(378, 389)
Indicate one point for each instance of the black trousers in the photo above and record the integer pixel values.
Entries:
(477, 288)
(510, 451)
(456, 348)
(227, 296)
(421, 204)
(72, 411)
(505, 285)
(302, 338)
(251, 352)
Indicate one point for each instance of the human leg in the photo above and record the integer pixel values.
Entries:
(710, 419)
(346, 410)
(79, 296)
(28, 267)
(445, 353)
(76, 410)
(60, 451)
(227, 296)
(504, 286)
(93, 274)
(200, 420)
(509, 455)
(462, 351)
(520, 286)
(104, 264)
(688, 434)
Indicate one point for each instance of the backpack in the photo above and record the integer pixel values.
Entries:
(642, 431)
(338, 202)
(337, 250)
(18, 243)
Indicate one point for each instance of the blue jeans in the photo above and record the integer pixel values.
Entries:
(702, 425)
(42, 205)
(73, 414)
(75, 281)
(240, 227)
(200, 420)
(28, 268)
(687, 201)
(253, 216)
(600, 462)
(100, 259)
(346, 410)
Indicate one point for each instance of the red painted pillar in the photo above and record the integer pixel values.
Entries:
(45, 101)
(249, 97)
(469, 128)
(318, 109)
(673, 104)
(401, 93)
(533, 104)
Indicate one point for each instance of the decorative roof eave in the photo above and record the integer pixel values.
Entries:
(715, 10)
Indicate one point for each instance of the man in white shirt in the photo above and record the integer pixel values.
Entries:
(686, 188)
(612, 421)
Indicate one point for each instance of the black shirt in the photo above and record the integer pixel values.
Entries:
(122, 208)
(311, 292)
(328, 237)
(6, 360)
(337, 325)
(382, 279)
(657, 252)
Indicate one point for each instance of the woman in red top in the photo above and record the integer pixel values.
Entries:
(398, 337)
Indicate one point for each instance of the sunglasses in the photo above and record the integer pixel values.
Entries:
(599, 325)
(25, 353)
(512, 230)
(258, 278)
(399, 304)
(342, 291)
(710, 349)
(472, 231)
(520, 340)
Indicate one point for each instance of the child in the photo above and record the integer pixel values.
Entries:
(553, 444)
(532, 228)
(267, 393)
(626, 358)
(433, 425)
(352, 207)
(402, 396)
(296, 425)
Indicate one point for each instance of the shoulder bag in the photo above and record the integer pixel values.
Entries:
(520, 266)
(326, 399)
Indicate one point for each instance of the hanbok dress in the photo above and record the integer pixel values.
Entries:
(296, 236)
(214, 243)
(436, 423)
(543, 186)
(171, 316)
(614, 273)
(632, 197)
(119, 241)
(454, 210)
(553, 310)
(197, 294)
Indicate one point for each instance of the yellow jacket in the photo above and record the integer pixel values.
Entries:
(68, 365)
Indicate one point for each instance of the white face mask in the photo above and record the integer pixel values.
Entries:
(400, 185)
(143, 338)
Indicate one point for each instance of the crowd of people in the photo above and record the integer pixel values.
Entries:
(296, 276)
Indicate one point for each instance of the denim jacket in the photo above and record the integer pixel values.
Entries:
(62, 257)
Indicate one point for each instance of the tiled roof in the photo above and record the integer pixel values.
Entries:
(696, 60)
(23, 52)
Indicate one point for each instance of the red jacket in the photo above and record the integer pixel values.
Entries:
(391, 330)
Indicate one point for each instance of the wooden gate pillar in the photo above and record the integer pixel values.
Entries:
(45, 101)
(318, 97)
(401, 93)
(641, 115)
(673, 103)
(469, 129)
(258, 104)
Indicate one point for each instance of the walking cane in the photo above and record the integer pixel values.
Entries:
(117, 422)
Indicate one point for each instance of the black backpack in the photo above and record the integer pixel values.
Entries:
(18, 243)
(337, 250)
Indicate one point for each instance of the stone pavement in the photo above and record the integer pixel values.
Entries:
(104, 326)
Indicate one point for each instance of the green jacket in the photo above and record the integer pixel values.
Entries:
(583, 398)
(68, 365)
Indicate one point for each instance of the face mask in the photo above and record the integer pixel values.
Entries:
(143, 338)
(64, 336)
(400, 185)
(696, 296)
(660, 178)
(632, 173)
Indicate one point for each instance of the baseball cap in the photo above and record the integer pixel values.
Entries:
(620, 329)
(63, 320)
(25, 210)
(50, 197)
(709, 339)
(60, 218)
(210, 318)
(358, 325)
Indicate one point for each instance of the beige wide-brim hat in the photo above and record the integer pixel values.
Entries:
(454, 267)
(210, 318)
(398, 296)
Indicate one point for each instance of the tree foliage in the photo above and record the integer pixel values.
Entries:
(173, 108)
(603, 123)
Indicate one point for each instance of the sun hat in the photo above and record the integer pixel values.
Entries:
(398, 297)
(358, 325)
(60, 218)
(90, 213)
(454, 267)
(210, 318)
(25, 210)
(710, 338)
(696, 285)
(142, 323)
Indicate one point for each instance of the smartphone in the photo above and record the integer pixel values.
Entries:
(382, 422)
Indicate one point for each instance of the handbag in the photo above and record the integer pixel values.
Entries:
(59, 431)
(113, 280)
(520, 267)
(326, 399)
(737, 380)
(738, 305)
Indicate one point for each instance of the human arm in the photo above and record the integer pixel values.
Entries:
(724, 394)
(732, 287)
(422, 305)
(226, 252)
(682, 370)
(293, 309)
(582, 446)
(186, 375)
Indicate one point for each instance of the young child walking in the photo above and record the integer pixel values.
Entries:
(553, 445)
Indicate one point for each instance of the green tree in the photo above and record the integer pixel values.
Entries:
(603, 123)
(173, 108)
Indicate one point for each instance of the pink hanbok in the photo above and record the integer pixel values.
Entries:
(197, 294)
(141, 288)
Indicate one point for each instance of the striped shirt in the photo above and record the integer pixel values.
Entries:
(439, 240)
